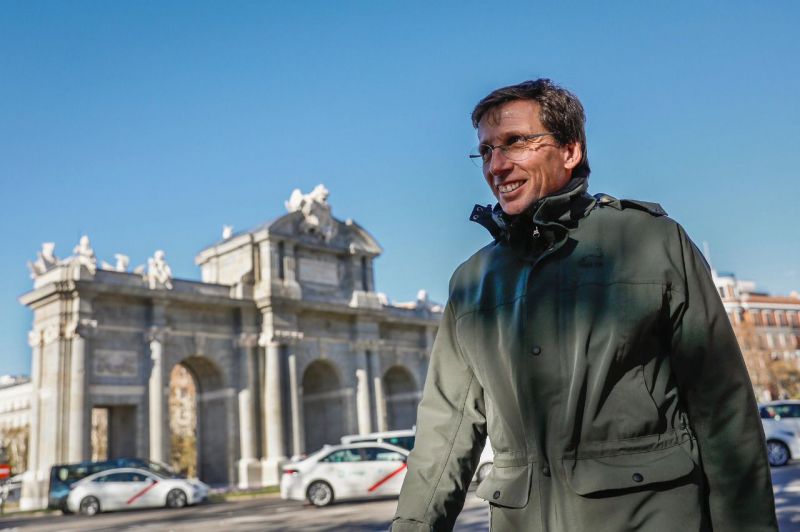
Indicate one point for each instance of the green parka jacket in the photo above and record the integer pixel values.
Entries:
(589, 342)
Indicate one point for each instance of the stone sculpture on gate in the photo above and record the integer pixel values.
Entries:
(83, 254)
(317, 218)
(46, 260)
(159, 274)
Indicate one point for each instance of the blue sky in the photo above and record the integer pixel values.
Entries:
(149, 125)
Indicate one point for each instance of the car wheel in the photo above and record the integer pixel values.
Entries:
(777, 453)
(176, 499)
(90, 506)
(483, 472)
(319, 493)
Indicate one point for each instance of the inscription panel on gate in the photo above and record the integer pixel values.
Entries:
(115, 363)
(318, 271)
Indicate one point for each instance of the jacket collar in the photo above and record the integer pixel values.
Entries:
(560, 209)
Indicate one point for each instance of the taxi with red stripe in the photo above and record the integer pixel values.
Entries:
(128, 488)
(346, 472)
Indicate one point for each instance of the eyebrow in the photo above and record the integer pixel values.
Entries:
(505, 136)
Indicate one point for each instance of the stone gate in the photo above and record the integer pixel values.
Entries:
(288, 343)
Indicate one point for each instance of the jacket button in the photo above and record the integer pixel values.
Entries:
(546, 470)
(637, 477)
(536, 350)
(496, 495)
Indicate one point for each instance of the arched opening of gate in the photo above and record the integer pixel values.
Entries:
(197, 408)
(401, 398)
(323, 405)
(183, 421)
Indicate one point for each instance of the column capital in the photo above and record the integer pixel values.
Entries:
(84, 327)
(156, 334)
(266, 339)
(369, 343)
(51, 333)
(247, 340)
(35, 337)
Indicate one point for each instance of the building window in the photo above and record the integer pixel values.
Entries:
(364, 275)
(281, 260)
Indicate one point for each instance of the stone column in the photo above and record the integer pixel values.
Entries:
(34, 489)
(273, 413)
(380, 404)
(35, 342)
(248, 343)
(155, 337)
(298, 436)
(79, 424)
(275, 453)
(376, 372)
(362, 402)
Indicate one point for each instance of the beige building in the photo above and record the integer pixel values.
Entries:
(15, 408)
(287, 341)
(768, 329)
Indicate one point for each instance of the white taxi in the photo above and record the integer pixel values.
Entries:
(127, 488)
(340, 472)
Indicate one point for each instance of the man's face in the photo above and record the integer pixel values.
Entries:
(546, 168)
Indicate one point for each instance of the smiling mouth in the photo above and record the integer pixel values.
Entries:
(505, 188)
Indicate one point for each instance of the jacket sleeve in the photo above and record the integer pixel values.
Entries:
(451, 432)
(718, 396)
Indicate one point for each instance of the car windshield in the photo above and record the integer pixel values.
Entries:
(162, 474)
(161, 470)
(343, 455)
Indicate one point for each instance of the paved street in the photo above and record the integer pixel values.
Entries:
(259, 514)
(786, 483)
(273, 514)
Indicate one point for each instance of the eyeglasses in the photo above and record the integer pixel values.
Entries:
(517, 149)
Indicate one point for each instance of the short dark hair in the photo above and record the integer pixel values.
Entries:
(560, 112)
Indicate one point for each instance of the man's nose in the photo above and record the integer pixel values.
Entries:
(499, 163)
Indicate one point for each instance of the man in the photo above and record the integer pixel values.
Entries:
(589, 342)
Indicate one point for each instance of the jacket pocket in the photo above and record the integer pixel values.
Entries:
(508, 486)
(631, 467)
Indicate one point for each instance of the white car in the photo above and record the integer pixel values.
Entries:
(781, 421)
(402, 438)
(340, 472)
(126, 488)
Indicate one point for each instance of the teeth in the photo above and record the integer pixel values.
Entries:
(509, 187)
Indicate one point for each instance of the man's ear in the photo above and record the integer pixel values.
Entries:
(572, 155)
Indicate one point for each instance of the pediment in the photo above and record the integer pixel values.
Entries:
(344, 235)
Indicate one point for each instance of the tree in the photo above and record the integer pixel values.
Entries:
(772, 377)
(15, 441)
